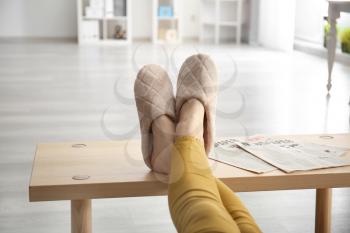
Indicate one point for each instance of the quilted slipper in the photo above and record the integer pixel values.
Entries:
(154, 97)
(198, 79)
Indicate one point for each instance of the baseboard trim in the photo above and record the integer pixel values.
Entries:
(38, 40)
(319, 50)
(75, 40)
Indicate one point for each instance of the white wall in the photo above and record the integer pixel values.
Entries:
(309, 21)
(276, 24)
(11, 15)
(142, 18)
(38, 18)
(57, 18)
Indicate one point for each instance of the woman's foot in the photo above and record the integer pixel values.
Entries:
(163, 129)
(191, 119)
(155, 104)
(198, 80)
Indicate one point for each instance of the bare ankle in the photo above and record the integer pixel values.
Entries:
(191, 119)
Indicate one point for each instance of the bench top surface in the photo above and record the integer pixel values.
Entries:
(116, 169)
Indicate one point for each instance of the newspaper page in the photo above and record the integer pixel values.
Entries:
(226, 151)
(290, 156)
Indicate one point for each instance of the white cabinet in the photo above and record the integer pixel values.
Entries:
(104, 21)
(90, 31)
(220, 21)
(166, 25)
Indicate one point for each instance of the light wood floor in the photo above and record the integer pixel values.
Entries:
(62, 92)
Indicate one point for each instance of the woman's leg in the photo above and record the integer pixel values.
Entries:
(194, 199)
(236, 209)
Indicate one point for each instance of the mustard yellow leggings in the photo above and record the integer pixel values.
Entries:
(199, 202)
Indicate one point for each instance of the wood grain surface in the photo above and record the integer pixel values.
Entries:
(116, 169)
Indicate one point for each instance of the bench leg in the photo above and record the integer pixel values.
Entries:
(81, 216)
(323, 210)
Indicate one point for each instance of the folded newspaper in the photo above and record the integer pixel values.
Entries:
(262, 154)
(227, 151)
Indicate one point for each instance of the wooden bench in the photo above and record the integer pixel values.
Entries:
(83, 171)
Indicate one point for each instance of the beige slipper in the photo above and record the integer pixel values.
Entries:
(198, 79)
(154, 97)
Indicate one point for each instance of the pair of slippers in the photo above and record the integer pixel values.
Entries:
(154, 97)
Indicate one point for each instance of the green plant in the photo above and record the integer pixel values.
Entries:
(326, 29)
(345, 40)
